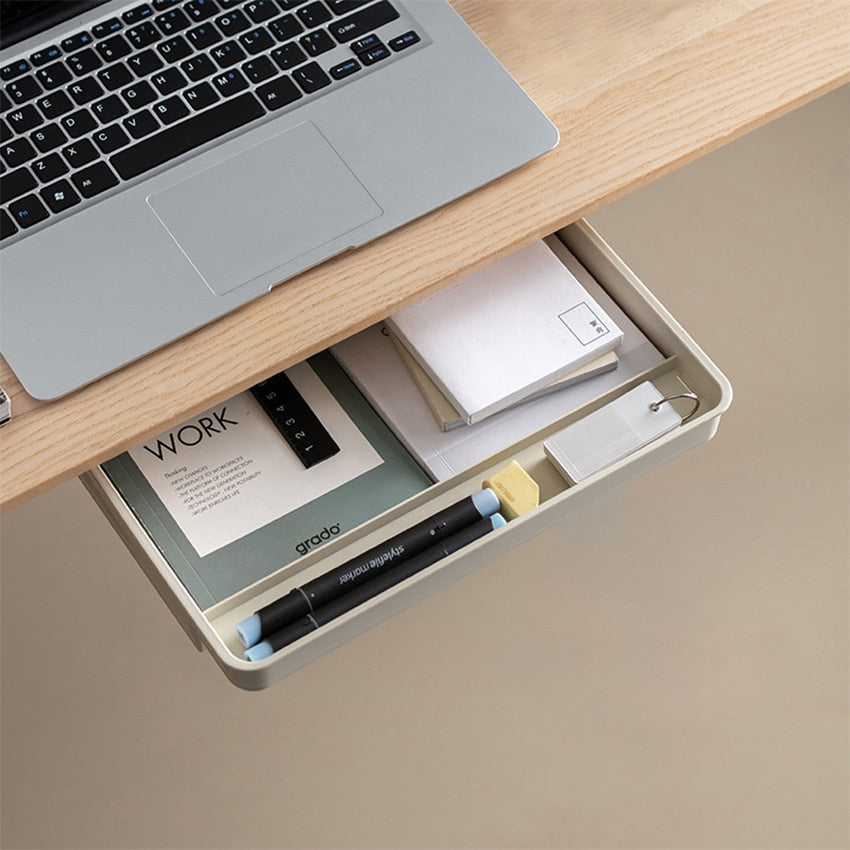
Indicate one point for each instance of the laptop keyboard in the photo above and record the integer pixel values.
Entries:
(133, 92)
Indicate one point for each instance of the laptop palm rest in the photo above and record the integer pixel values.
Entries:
(232, 229)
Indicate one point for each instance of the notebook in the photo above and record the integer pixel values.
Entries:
(227, 500)
(505, 332)
(166, 162)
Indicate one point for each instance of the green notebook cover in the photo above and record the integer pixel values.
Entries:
(227, 501)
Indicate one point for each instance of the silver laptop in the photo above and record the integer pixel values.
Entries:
(167, 161)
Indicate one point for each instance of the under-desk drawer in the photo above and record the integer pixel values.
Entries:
(681, 367)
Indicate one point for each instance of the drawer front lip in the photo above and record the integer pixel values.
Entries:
(205, 628)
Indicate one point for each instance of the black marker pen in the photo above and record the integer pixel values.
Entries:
(305, 600)
(385, 580)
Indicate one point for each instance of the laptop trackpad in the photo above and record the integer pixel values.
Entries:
(264, 207)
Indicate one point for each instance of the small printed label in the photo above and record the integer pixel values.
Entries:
(585, 325)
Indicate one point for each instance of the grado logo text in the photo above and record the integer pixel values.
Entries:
(317, 539)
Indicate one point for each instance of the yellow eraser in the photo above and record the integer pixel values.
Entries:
(517, 491)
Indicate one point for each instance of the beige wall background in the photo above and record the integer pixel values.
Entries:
(668, 671)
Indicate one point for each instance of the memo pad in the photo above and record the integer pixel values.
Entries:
(506, 331)
(611, 433)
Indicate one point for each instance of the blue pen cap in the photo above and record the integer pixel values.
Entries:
(486, 502)
(249, 630)
(259, 652)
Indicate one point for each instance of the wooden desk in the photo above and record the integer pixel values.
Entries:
(636, 89)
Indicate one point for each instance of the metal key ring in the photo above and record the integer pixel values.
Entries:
(691, 396)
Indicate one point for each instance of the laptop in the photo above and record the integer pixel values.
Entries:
(165, 162)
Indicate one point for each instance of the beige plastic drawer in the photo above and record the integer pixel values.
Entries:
(684, 367)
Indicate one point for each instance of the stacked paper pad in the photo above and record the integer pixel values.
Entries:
(514, 331)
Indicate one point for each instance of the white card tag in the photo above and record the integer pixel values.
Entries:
(611, 433)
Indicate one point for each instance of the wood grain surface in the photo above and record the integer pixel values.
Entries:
(636, 90)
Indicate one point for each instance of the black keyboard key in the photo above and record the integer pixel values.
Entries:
(174, 20)
(183, 137)
(230, 83)
(45, 55)
(141, 123)
(54, 104)
(49, 167)
(110, 138)
(233, 23)
(28, 211)
(115, 76)
(364, 21)
(84, 62)
(311, 77)
(408, 39)
(85, 90)
(261, 10)
(285, 28)
(48, 138)
(109, 109)
(139, 94)
(113, 49)
(168, 81)
(95, 179)
(105, 28)
(23, 119)
(200, 96)
(370, 57)
(78, 123)
(345, 69)
(15, 69)
(278, 93)
(17, 151)
(23, 89)
(341, 7)
(144, 63)
(143, 34)
(174, 49)
(204, 36)
(198, 67)
(201, 10)
(170, 110)
(362, 45)
(7, 226)
(259, 69)
(317, 42)
(52, 76)
(16, 183)
(76, 41)
(60, 196)
(137, 14)
(256, 41)
(80, 153)
(314, 15)
(289, 56)
(228, 54)
(5, 132)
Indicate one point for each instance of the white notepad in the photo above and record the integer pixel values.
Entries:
(500, 334)
(611, 433)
